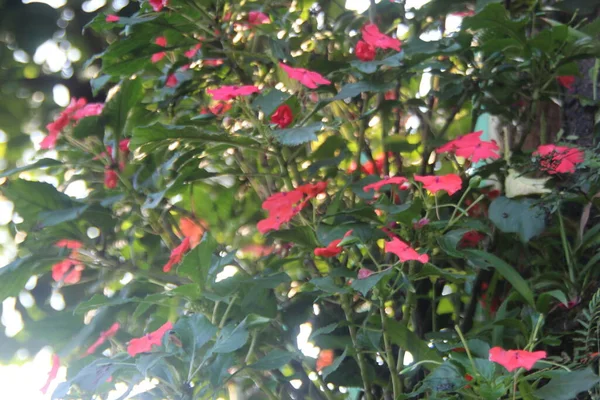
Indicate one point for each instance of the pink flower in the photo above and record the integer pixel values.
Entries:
(308, 78)
(467, 13)
(112, 18)
(88, 110)
(258, 18)
(68, 114)
(471, 145)
(171, 81)
(559, 159)
(401, 181)
(364, 51)
(103, 336)
(145, 343)
(177, 254)
(372, 35)
(157, 5)
(566, 81)
(420, 223)
(513, 359)
(191, 53)
(231, 92)
(162, 42)
(52, 374)
(451, 183)
(283, 116)
(364, 273)
(213, 63)
(404, 251)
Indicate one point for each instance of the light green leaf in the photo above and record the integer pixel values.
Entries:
(518, 216)
(231, 338)
(566, 385)
(43, 163)
(157, 133)
(197, 262)
(296, 136)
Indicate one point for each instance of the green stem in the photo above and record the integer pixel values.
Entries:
(391, 362)
(360, 358)
(565, 244)
(464, 342)
(224, 319)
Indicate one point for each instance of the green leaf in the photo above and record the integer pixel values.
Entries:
(51, 218)
(334, 366)
(403, 337)
(99, 300)
(323, 330)
(231, 338)
(273, 360)
(15, 275)
(449, 242)
(354, 89)
(566, 385)
(546, 299)
(364, 285)
(197, 262)
(508, 272)
(296, 136)
(43, 163)
(370, 67)
(218, 370)
(327, 285)
(117, 109)
(157, 133)
(268, 102)
(195, 331)
(90, 126)
(32, 198)
(301, 235)
(519, 216)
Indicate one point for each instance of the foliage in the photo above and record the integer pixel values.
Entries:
(215, 225)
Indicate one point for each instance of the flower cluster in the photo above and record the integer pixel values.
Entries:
(76, 110)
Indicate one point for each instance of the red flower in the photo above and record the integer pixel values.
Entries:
(513, 359)
(390, 95)
(231, 92)
(372, 35)
(559, 159)
(471, 145)
(364, 51)
(330, 251)
(191, 53)
(284, 206)
(258, 18)
(103, 336)
(325, 359)
(124, 145)
(111, 178)
(157, 5)
(112, 18)
(471, 239)
(451, 183)
(67, 270)
(191, 230)
(283, 116)
(311, 190)
(566, 81)
(177, 254)
(468, 378)
(171, 81)
(145, 343)
(404, 251)
(332, 248)
(468, 13)
(310, 79)
(69, 244)
(364, 273)
(52, 374)
(162, 42)
(220, 107)
(401, 181)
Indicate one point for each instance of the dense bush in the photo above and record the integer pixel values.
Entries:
(258, 166)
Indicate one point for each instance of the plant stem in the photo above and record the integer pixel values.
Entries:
(391, 362)
(222, 324)
(464, 342)
(360, 358)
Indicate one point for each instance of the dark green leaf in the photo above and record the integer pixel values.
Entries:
(158, 132)
(43, 163)
(403, 337)
(366, 284)
(508, 272)
(197, 262)
(273, 360)
(334, 366)
(231, 338)
(354, 89)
